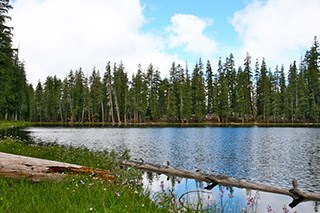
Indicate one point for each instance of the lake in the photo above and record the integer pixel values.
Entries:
(272, 155)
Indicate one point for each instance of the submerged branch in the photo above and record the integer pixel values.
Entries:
(297, 195)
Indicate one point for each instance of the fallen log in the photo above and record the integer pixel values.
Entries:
(297, 195)
(36, 169)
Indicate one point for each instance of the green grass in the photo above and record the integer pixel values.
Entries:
(10, 124)
(77, 193)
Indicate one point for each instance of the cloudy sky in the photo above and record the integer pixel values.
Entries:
(56, 36)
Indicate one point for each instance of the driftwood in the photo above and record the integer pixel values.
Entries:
(35, 169)
(297, 195)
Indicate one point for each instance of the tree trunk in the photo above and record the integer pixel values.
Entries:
(82, 115)
(102, 112)
(60, 110)
(35, 169)
(117, 106)
(297, 195)
(111, 104)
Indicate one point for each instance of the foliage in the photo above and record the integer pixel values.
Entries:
(15, 92)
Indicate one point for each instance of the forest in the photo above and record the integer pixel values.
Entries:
(221, 93)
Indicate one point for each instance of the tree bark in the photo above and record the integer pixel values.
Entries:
(102, 112)
(117, 106)
(297, 195)
(35, 169)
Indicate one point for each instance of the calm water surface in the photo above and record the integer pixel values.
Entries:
(268, 155)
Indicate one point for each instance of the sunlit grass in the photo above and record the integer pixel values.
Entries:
(77, 193)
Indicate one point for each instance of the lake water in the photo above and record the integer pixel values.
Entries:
(267, 155)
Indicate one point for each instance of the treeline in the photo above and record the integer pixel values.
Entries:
(252, 92)
(15, 93)
(246, 94)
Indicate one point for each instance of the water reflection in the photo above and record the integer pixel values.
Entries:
(268, 155)
(186, 194)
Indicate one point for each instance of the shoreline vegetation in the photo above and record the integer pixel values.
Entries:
(12, 124)
(76, 193)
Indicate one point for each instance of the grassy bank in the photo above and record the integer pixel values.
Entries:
(77, 193)
(10, 124)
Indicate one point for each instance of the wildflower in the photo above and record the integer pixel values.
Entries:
(142, 205)
(221, 192)
(117, 194)
(269, 209)
(285, 209)
(91, 209)
(81, 181)
(162, 185)
(250, 202)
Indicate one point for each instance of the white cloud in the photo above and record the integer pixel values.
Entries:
(188, 31)
(57, 35)
(279, 30)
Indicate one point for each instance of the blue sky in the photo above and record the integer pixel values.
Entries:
(158, 14)
(54, 39)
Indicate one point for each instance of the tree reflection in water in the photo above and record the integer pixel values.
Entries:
(182, 195)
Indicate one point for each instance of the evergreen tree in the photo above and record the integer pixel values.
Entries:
(153, 83)
(263, 92)
(95, 84)
(313, 78)
(38, 103)
(223, 95)
(138, 93)
(302, 96)
(230, 75)
(187, 97)
(121, 91)
(107, 81)
(249, 108)
(209, 89)
(79, 95)
(283, 95)
(198, 93)
(292, 91)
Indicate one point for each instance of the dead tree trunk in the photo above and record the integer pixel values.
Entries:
(117, 106)
(35, 169)
(297, 195)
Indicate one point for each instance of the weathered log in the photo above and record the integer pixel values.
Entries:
(297, 195)
(36, 169)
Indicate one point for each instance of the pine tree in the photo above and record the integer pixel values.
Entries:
(7, 97)
(186, 96)
(249, 108)
(107, 79)
(302, 95)
(263, 92)
(209, 89)
(121, 92)
(138, 93)
(313, 77)
(283, 95)
(223, 96)
(198, 93)
(292, 91)
(96, 96)
(38, 103)
(230, 75)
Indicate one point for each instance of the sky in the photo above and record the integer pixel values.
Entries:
(56, 36)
